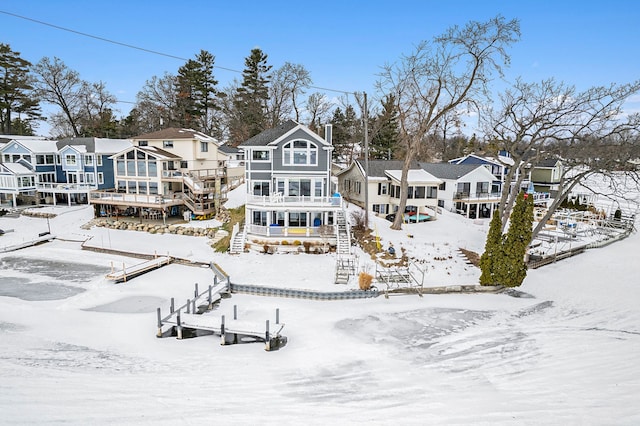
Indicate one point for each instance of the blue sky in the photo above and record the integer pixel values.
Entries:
(342, 43)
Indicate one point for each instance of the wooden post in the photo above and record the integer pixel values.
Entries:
(188, 306)
(179, 326)
(222, 339)
(124, 272)
(194, 306)
(159, 334)
(172, 309)
(195, 294)
(277, 315)
(235, 312)
(266, 335)
(210, 299)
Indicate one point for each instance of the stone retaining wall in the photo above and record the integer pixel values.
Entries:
(157, 228)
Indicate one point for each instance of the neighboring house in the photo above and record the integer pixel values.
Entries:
(498, 166)
(465, 188)
(37, 155)
(172, 172)
(547, 175)
(289, 196)
(66, 171)
(17, 180)
(384, 187)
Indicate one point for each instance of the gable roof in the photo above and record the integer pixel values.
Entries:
(173, 133)
(35, 145)
(377, 168)
(414, 176)
(152, 150)
(267, 136)
(547, 163)
(226, 149)
(450, 171)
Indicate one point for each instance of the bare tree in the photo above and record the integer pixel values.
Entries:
(156, 103)
(587, 130)
(318, 109)
(59, 85)
(287, 84)
(440, 76)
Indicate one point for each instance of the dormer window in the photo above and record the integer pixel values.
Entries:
(300, 153)
(70, 160)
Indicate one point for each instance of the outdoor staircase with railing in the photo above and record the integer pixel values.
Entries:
(345, 262)
(238, 238)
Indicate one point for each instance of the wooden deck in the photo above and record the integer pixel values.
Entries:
(142, 268)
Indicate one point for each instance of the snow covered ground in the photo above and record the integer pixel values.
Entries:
(78, 349)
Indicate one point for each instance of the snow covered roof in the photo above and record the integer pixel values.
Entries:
(17, 169)
(173, 133)
(414, 176)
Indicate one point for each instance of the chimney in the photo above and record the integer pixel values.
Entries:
(328, 129)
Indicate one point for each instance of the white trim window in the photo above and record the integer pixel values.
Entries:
(204, 146)
(88, 160)
(99, 158)
(300, 153)
(70, 160)
(89, 178)
(260, 155)
(100, 178)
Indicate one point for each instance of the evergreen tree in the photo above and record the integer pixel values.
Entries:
(385, 140)
(16, 92)
(196, 93)
(517, 241)
(249, 116)
(492, 257)
(347, 134)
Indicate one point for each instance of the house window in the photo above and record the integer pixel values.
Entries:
(443, 186)
(70, 160)
(167, 144)
(300, 153)
(261, 188)
(204, 147)
(382, 189)
(260, 155)
(419, 192)
(100, 178)
(89, 178)
(381, 208)
(143, 143)
(358, 187)
(88, 160)
(45, 159)
(410, 192)
(260, 218)
(297, 219)
(99, 158)
(432, 191)
(464, 188)
(482, 188)
(184, 165)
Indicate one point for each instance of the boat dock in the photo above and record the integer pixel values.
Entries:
(126, 273)
(194, 315)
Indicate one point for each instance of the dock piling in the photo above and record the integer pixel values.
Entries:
(179, 326)
(159, 334)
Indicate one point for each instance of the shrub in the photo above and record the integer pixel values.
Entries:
(297, 243)
(285, 243)
(365, 280)
(307, 246)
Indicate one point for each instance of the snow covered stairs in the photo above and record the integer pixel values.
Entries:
(238, 238)
(345, 263)
(343, 237)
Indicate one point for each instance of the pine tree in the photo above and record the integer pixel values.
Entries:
(492, 258)
(16, 92)
(249, 116)
(196, 93)
(386, 136)
(517, 241)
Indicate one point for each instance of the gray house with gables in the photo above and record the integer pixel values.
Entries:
(289, 192)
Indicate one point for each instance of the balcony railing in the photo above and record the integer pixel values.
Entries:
(277, 199)
(98, 197)
(328, 231)
(476, 195)
(66, 187)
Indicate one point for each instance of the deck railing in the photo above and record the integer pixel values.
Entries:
(328, 231)
(301, 201)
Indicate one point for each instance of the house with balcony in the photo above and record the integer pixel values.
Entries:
(498, 166)
(466, 188)
(65, 171)
(289, 193)
(172, 172)
(384, 187)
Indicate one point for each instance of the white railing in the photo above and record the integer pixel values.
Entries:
(302, 201)
(56, 187)
(328, 231)
(98, 196)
